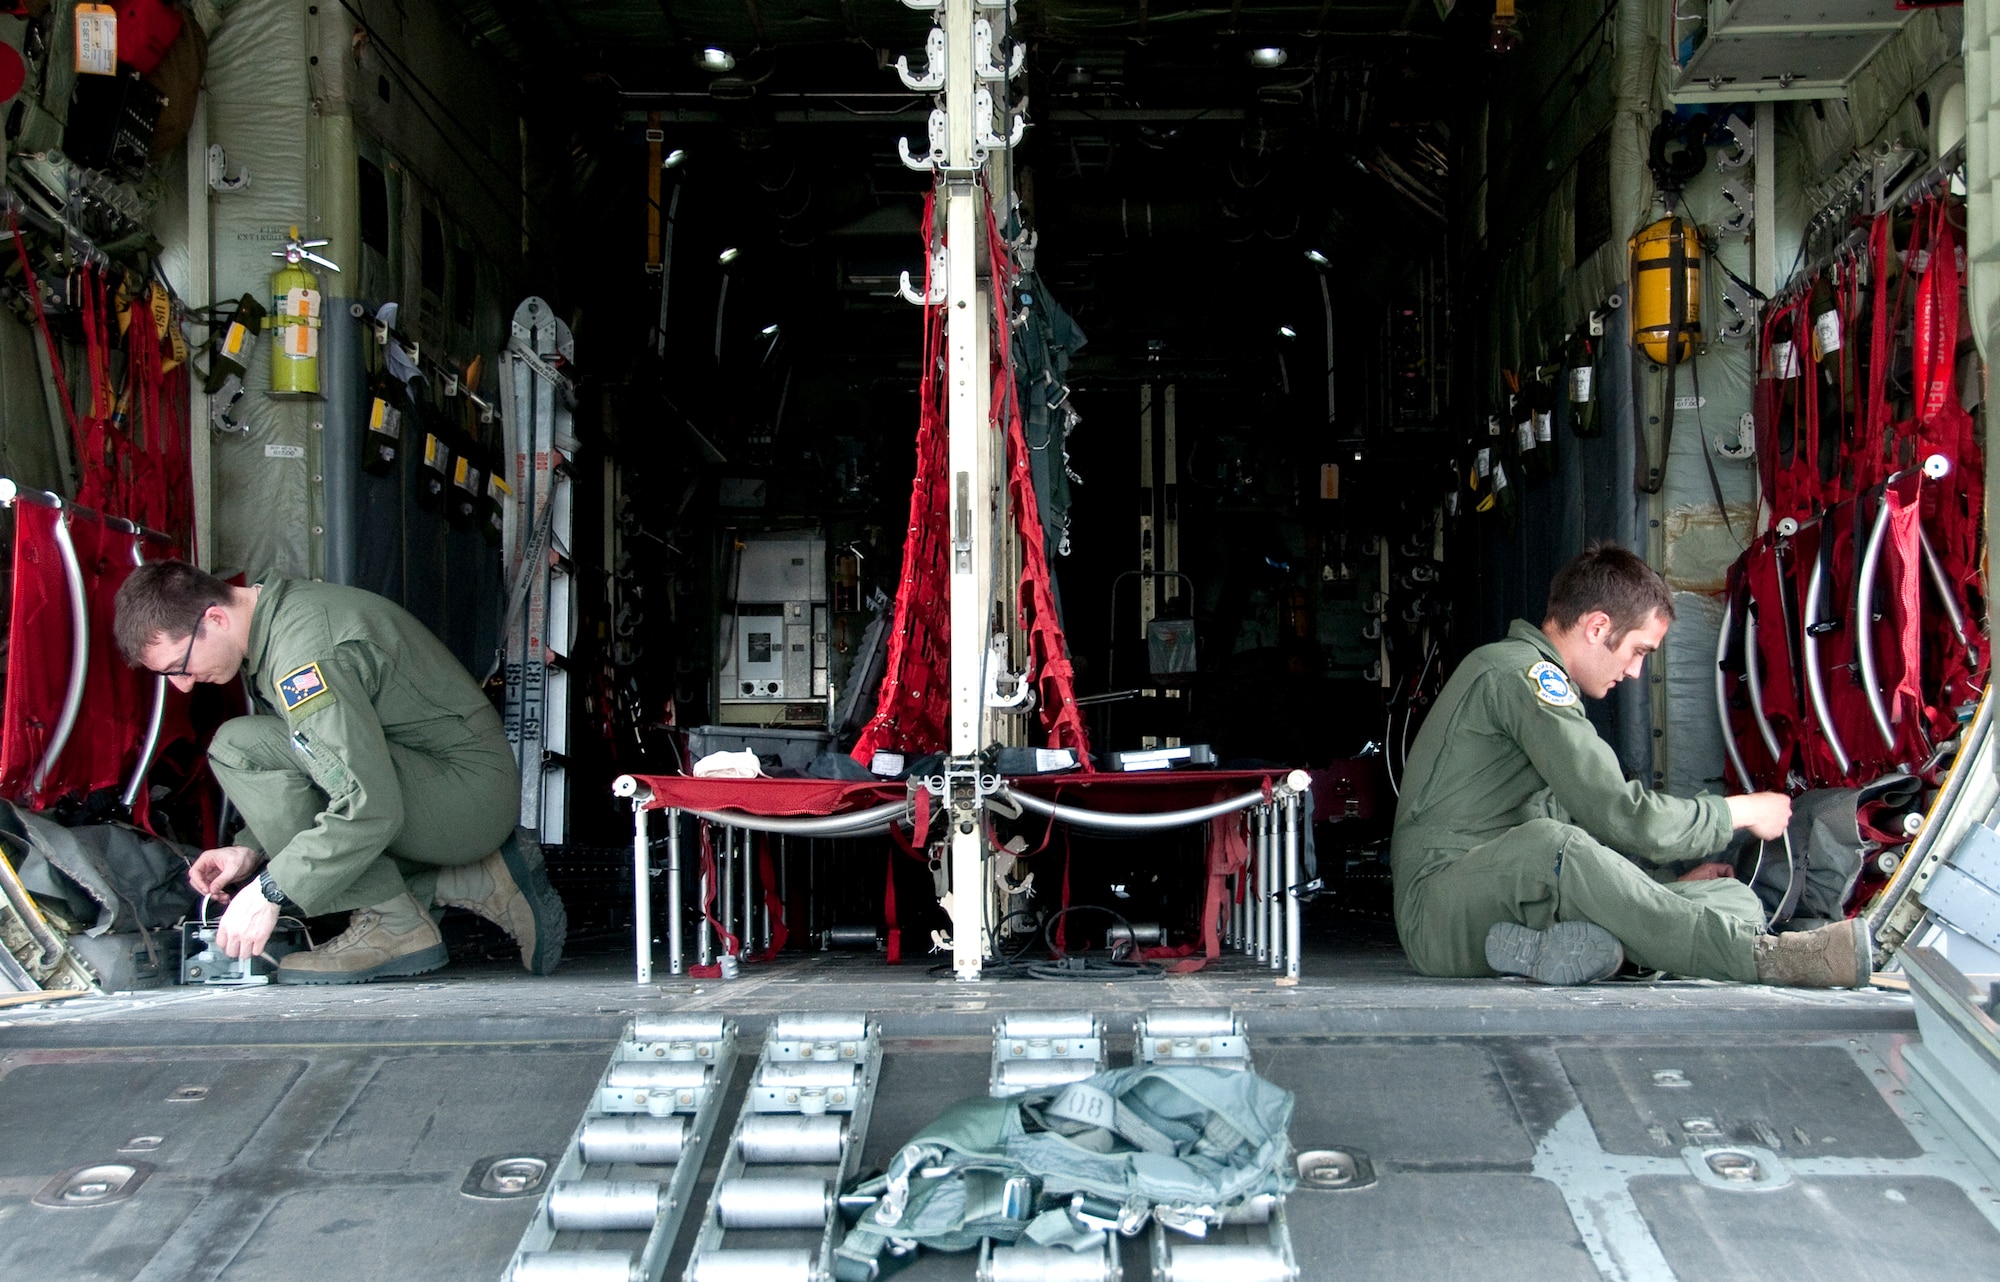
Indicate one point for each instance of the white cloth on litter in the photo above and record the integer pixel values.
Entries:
(728, 765)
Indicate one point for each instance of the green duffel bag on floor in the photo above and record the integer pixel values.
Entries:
(1180, 1142)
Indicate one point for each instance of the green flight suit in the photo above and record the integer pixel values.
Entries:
(371, 759)
(1514, 809)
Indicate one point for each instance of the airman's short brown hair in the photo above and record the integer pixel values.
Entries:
(162, 600)
(1612, 579)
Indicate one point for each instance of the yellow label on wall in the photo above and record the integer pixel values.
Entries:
(96, 40)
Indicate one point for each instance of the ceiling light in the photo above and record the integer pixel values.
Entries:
(1286, 331)
(1318, 259)
(729, 255)
(714, 58)
(1267, 57)
(673, 159)
(768, 331)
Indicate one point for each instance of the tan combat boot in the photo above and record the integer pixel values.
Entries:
(381, 942)
(511, 889)
(1837, 956)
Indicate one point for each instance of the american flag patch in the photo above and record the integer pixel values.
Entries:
(301, 686)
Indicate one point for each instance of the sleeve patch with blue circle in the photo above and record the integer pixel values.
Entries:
(301, 686)
(1551, 686)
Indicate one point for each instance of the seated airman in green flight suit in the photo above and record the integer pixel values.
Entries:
(1520, 847)
(372, 775)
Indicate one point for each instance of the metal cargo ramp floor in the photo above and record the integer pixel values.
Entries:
(1513, 1131)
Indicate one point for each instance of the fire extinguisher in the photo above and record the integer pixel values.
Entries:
(295, 314)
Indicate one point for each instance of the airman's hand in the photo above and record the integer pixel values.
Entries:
(246, 927)
(1708, 872)
(216, 871)
(1765, 814)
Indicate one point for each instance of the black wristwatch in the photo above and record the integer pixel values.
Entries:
(269, 888)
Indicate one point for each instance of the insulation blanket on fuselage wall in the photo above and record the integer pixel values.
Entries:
(260, 112)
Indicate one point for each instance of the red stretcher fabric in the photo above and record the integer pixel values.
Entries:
(38, 654)
(1124, 793)
(768, 797)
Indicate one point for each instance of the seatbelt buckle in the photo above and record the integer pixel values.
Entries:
(1101, 1214)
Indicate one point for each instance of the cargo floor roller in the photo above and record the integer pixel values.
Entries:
(773, 1216)
(1039, 1051)
(1253, 1243)
(1033, 1051)
(651, 1114)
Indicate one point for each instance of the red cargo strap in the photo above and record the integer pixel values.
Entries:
(1228, 852)
(774, 903)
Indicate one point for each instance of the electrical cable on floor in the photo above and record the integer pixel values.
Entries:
(1062, 965)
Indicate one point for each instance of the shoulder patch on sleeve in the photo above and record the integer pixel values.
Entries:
(301, 686)
(1551, 686)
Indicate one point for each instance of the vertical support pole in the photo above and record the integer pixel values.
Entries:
(1170, 500)
(705, 934)
(676, 953)
(1147, 583)
(970, 483)
(1274, 891)
(1764, 197)
(1260, 861)
(198, 282)
(1291, 879)
(727, 875)
(642, 896)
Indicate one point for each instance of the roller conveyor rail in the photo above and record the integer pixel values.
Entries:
(802, 1126)
(655, 1107)
(1033, 1051)
(1253, 1243)
(1211, 1036)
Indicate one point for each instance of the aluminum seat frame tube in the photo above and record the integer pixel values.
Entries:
(642, 896)
(79, 653)
(1864, 626)
(1815, 680)
(151, 743)
(1273, 903)
(1111, 821)
(676, 945)
(1753, 674)
(1293, 852)
(1722, 694)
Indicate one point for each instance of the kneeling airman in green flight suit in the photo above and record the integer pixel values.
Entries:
(1520, 846)
(372, 775)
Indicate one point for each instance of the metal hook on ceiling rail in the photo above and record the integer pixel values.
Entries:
(931, 79)
(983, 65)
(934, 296)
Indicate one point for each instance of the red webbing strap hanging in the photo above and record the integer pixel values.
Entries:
(1227, 852)
(913, 703)
(894, 929)
(1054, 678)
(774, 903)
(1765, 575)
(1952, 507)
(117, 700)
(731, 946)
(911, 846)
(1878, 424)
(1792, 443)
(1903, 566)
